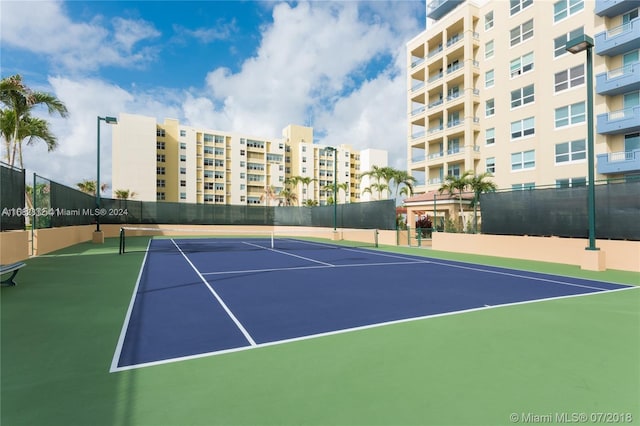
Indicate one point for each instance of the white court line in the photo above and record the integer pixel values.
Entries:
(288, 254)
(224, 305)
(123, 331)
(364, 327)
(293, 268)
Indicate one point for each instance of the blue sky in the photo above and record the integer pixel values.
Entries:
(247, 66)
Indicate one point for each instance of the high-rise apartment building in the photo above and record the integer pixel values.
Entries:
(492, 88)
(173, 162)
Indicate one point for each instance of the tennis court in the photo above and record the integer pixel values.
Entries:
(387, 336)
(198, 297)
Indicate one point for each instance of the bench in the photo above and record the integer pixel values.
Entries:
(13, 270)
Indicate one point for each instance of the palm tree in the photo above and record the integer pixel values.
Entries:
(401, 177)
(268, 194)
(288, 197)
(456, 185)
(16, 121)
(89, 187)
(306, 180)
(338, 187)
(123, 194)
(478, 185)
(376, 173)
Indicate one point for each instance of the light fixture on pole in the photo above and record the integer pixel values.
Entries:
(335, 186)
(108, 120)
(577, 45)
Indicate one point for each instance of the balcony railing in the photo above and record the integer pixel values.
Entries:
(453, 68)
(417, 86)
(435, 51)
(619, 162)
(435, 155)
(435, 103)
(435, 129)
(435, 77)
(418, 110)
(417, 61)
(454, 39)
(619, 40)
(620, 80)
(417, 134)
(617, 122)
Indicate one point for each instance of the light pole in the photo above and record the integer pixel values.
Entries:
(335, 186)
(108, 120)
(577, 45)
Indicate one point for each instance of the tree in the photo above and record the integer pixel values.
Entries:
(305, 180)
(478, 185)
(288, 197)
(268, 194)
(89, 187)
(16, 122)
(330, 187)
(455, 185)
(404, 179)
(123, 194)
(378, 174)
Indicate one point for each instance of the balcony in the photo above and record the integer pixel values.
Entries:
(621, 80)
(619, 122)
(619, 40)
(611, 8)
(436, 9)
(619, 162)
(416, 61)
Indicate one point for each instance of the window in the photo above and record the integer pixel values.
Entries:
(523, 186)
(523, 160)
(219, 187)
(161, 183)
(521, 65)
(569, 78)
(522, 128)
(160, 196)
(183, 183)
(571, 151)
(488, 21)
(243, 186)
(564, 8)
(522, 32)
(208, 198)
(183, 170)
(160, 145)
(183, 133)
(490, 136)
(571, 182)
(160, 158)
(218, 139)
(489, 107)
(183, 158)
(516, 6)
(242, 152)
(488, 49)
(183, 195)
(208, 138)
(489, 78)
(208, 173)
(183, 145)
(491, 165)
(208, 161)
(522, 96)
(570, 114)
(160, 170)
(160, 132)
(219, 198)
(560, 43)
(218, 163)
(208, 150)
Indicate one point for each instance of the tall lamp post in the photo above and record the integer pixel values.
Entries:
(335, 186)
(108, 120)
(577, 45)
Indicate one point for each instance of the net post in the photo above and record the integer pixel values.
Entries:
(121, 248)
(272, 238)
(375, 237)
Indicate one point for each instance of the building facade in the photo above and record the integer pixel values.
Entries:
(172, 162)
(492, 88)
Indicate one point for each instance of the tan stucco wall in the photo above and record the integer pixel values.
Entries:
(51, 239)
(621, 255)
(14, 246)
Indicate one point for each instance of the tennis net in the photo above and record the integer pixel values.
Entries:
(208, 239)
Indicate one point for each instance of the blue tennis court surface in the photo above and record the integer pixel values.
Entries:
(202, 297)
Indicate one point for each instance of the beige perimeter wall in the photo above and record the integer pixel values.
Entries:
(620, 255)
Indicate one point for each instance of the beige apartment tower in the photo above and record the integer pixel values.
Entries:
(491, 88)
(172, 162)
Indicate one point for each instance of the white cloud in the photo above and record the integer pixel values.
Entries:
(221, 31)
(308, 66)
(44, 28)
